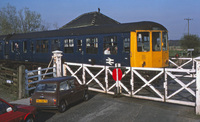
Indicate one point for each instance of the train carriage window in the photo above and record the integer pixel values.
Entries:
(32, 46)
(143, 40)
(79, 45)
(55, 45)
(1, 46)
(110, 45)
(164, 41)
(92, 45)
(38, 46)
(25, 46)
(44, 46)
(68, 45)
(156, 41)
(126, 47)
(15, 47)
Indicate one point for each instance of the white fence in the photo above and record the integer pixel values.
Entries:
(172, 85)
(34, 76)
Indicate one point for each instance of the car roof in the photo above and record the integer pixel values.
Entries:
(56, 80)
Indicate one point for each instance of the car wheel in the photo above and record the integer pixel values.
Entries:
(62, 107)
(29, 119)
(86, 96)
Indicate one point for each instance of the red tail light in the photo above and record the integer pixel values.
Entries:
(54, 101)
(30, 100)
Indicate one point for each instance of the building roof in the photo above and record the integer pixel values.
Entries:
(90, 19)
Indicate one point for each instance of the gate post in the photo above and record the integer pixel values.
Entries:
(21, 81)
(57, 62)
(198, 87)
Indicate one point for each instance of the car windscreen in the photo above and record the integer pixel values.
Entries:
(46, 87)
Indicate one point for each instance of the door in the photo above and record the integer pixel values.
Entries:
(156, 49)
(6, 50)
(79, 51)
(140, 55)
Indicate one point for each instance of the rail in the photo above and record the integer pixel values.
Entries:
(34, 76)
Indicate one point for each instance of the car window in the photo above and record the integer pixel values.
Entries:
(3, 107)
(71, 83)
(64, 86)
(49, 87)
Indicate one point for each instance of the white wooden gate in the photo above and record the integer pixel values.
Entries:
(159, 84)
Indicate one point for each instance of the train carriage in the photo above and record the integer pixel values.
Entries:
(139, 44)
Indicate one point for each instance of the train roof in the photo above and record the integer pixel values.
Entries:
(104, 29)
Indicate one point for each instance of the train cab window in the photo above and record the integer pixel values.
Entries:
(55, 45)
(79, 45)
(25, 46)
(92, 45)
(110, 45)
(143, 40)
(164, 41)
(68, 45)
(126, 47)
(156, 41)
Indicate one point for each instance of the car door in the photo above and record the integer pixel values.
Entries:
(77, 89)
(66, 93)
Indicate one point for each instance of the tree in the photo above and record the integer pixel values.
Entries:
(190, 41)
(22, 21)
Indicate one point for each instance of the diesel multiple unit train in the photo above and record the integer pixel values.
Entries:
(139, 44)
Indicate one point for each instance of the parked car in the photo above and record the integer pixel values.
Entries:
(16, 113)
(58, 93)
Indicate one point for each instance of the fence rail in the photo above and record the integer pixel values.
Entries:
(13, 80)
(34, 76)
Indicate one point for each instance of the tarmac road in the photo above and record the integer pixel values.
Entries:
(106, 108)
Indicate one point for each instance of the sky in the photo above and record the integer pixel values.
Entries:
(170, 13)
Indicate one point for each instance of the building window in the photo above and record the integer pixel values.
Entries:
(156, 41)
(143, 40)
(25, 46)
(126, 45)
(68, 45)
(92, 45)
(55, 45)
(110, 45)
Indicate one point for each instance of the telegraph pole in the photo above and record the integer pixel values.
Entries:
(188, 19)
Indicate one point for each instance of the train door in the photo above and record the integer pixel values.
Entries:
(1, 49)
(110, 47)
(15, 50)
(165, 50)
(6, 50)
(140, 55)
(25, 52)
(79, 51)
(156, 49)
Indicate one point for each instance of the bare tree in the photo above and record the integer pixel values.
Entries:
(23, 21)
